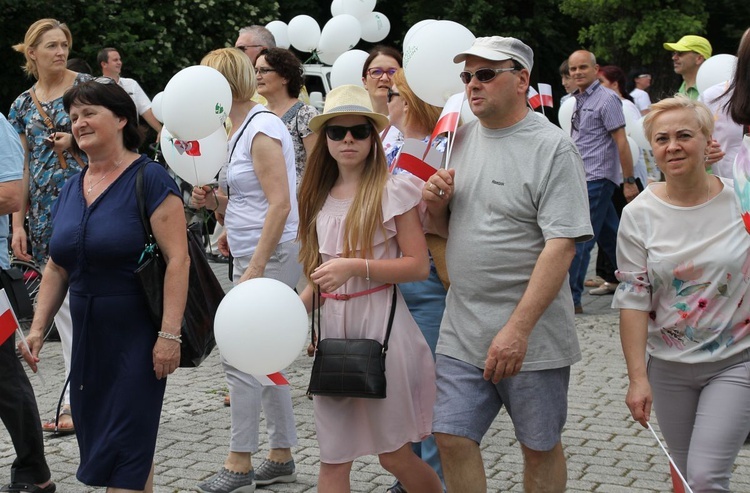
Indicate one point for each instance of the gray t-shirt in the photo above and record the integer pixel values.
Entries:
(515, 188)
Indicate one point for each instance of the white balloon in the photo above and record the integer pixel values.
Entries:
(195, 161)
(357, 8)
(639, 136)
(565, 113)
(337, 7)
(413, 29)
(304, 33)
(635, 151)
(156, 107)
(339, 34)
(261, 326)
(196, 102)
(630, 121)
(428, 61)
(715, 70)
(375, 27)
(280, 33)
(347, 69)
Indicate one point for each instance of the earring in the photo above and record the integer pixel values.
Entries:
(705, 158)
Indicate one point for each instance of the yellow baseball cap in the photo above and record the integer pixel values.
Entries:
(691, 42)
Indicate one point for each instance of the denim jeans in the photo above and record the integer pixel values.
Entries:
(604, 222)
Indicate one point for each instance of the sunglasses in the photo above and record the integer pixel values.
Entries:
(247, 47)
(104, 80)
(391, 94)
(484, 74)
(359, 132)
(377, 73)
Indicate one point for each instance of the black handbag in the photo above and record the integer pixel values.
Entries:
(15, 287)
(349, 367)
(204, 290)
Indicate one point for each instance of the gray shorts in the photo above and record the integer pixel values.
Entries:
(466, 405)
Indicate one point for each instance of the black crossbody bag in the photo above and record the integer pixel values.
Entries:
(349, 367)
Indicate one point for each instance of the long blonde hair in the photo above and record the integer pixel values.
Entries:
(365, 214)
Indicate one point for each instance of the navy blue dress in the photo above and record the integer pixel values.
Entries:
(115, 397)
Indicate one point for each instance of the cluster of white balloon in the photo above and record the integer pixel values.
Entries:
(193, 107)
(352, 21)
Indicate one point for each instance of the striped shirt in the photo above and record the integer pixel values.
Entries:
(598, 113)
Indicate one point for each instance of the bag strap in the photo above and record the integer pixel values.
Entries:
(142, 205)
(242, 131)
(50, 125)
(316, 295)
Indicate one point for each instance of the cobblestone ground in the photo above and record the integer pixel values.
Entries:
(606, 450)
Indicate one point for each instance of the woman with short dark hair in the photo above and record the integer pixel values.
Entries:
(120, 358)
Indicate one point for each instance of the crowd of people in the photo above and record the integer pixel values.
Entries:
(479, 269)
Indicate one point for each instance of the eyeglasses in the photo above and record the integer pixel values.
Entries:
(359, 132)
(264, 70)
(377, 73)
(105, 80)
(245, 47)
(575, 120)
(484, 74)
(390, 94)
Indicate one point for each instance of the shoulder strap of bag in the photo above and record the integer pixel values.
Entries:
(142, 205)
(242, 131)
(316, 297)
(292, 112)
(48, 123)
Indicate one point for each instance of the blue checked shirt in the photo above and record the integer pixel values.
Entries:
(598, 113)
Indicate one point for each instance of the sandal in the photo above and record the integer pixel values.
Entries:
(53, 426)
(227, 401)
(28, 488)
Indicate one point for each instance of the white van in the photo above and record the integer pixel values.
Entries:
(317, 79)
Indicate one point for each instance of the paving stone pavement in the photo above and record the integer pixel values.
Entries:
(606, 450)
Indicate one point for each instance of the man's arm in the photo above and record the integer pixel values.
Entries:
(11, 196)
(508, 349)
(148, 115)
(630, 190)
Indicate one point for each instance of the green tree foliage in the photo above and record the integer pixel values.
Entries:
(156, 39)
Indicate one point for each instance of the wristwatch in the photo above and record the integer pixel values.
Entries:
(629, 179)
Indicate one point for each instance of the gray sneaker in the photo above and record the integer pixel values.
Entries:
(271, 472)
(226, 481)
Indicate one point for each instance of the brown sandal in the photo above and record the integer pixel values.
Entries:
(53, 425)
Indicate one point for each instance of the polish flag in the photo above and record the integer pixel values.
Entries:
(448, 121)
(271, 380)
(535, 100)
(677, 484)
(545, 90)
(8, 322)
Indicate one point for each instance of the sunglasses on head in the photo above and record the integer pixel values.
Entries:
(391, 94)
(104, 80)
(484, 74)
(359, 132)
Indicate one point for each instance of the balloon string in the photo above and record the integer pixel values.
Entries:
(669, 457)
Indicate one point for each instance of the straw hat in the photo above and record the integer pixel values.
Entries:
(348, 100)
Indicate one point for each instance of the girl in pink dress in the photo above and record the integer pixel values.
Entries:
(360, 234)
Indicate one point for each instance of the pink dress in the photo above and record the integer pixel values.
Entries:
(349, 428)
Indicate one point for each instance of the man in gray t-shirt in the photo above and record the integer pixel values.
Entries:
(512, 205)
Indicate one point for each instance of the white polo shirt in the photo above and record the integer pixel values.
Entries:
(142, 102)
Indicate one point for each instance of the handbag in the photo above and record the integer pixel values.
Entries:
(204, 290)
(15, 287)
(349, 367)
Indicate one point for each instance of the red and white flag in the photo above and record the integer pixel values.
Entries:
(8, 322)
(419, 158)
(448, 121)
(535, 100)
(545, 91)
(271, 380)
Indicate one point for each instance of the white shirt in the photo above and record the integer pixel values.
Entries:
(726, 132)
(142, 102)
(641, 99)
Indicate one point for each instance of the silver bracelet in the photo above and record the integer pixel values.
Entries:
(171, 337)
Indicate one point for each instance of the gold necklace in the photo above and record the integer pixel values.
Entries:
(708, 192)
(92, 185)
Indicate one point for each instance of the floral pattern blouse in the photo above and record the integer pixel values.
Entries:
(46, 176)
(297, 121)
(689, 268)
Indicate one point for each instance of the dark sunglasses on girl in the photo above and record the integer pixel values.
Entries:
(391, 94)
(359, 132)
